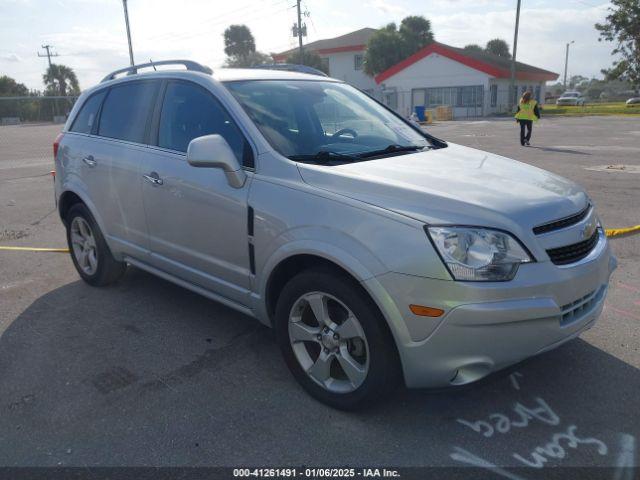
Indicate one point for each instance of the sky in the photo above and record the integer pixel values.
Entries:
(90, 35)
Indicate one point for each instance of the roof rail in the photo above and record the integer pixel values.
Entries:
(133, 69)
(290, 67)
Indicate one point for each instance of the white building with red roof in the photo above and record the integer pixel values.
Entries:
(473, 84)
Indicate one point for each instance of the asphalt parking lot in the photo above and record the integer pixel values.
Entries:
(147, 373)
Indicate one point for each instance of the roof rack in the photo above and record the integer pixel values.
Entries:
(133, 69)
(290, 67)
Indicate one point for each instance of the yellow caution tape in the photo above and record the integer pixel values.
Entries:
(35, 249)
(616, 232)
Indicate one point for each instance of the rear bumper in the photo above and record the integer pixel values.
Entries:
(488, 326)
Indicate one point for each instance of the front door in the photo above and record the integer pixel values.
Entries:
(197, 222)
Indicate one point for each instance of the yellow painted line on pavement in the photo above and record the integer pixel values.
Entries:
(36, 249)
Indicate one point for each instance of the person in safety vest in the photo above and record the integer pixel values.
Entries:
(528, 112)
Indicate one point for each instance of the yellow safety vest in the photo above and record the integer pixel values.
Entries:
(526, 111)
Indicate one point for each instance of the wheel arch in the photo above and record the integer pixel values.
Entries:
(69, 197)
(290, 266)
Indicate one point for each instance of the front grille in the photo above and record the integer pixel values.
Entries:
(562, 223)
(573, 253)
(576, 310)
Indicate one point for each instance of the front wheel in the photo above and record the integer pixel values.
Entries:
(334, 340)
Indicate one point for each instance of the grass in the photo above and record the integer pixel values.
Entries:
(617, 108)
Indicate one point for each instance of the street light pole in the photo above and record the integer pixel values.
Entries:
(512, 87)
(566, 62)
(126, 21)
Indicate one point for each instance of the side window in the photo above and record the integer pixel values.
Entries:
(357, 62)
(126, 110)
(190, 111)
(86, 118)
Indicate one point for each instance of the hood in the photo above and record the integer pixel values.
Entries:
(454, 185)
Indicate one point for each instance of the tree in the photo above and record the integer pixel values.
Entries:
(240, 47)
(238, 41)
(416, 32)
(250, 60)
(622, 25)
(391, 44)
(473, 48)
(10, 88)
(384, 49)
(498, 47)
(61, 80)
(577, 81)
(310, 59)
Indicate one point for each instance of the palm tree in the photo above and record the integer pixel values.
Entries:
(61, 80)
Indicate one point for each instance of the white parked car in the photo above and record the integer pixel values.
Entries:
(633, 101)
(571, 98)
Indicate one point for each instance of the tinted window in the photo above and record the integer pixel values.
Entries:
(188, 112)
(86, 118)
(126, 110)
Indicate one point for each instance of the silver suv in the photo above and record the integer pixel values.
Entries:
(379, 253)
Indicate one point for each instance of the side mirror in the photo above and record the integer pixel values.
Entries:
(213, 151)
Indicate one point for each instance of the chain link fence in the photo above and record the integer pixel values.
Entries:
(35, 109)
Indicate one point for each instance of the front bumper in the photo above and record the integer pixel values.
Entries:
(488, 326)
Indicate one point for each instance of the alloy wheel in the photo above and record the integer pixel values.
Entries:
(329, 342)
(83, 244)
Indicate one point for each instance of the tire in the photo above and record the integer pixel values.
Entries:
(89, 251)
(341, 299)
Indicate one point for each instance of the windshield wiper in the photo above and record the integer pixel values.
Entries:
(393, 148)
(323, 156)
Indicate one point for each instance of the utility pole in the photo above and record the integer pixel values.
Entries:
(54, 109)
(48, 54)
(512, 93)
(126, 21)
(300, 33)
(566, 62)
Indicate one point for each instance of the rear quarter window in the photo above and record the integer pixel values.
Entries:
(88, 114)
(126, 111)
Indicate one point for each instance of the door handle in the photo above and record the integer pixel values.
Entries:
(89, 160)
(153, 178)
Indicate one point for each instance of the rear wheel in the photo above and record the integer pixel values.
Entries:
(89, 251)
(334, 340)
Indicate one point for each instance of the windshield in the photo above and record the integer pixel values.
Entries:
(323, 120)
(571, 94)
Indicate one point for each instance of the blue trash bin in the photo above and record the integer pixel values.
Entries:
(420, 113)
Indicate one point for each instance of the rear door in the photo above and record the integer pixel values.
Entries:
(119, 151)
(197, 222)
(77, 154)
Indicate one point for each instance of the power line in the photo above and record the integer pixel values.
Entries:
(48, 54)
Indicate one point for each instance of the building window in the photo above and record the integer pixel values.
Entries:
(537, 93)
(455, 96)
(494, 95)
(357, 62)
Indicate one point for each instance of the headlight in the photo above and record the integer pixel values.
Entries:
(479, 254)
